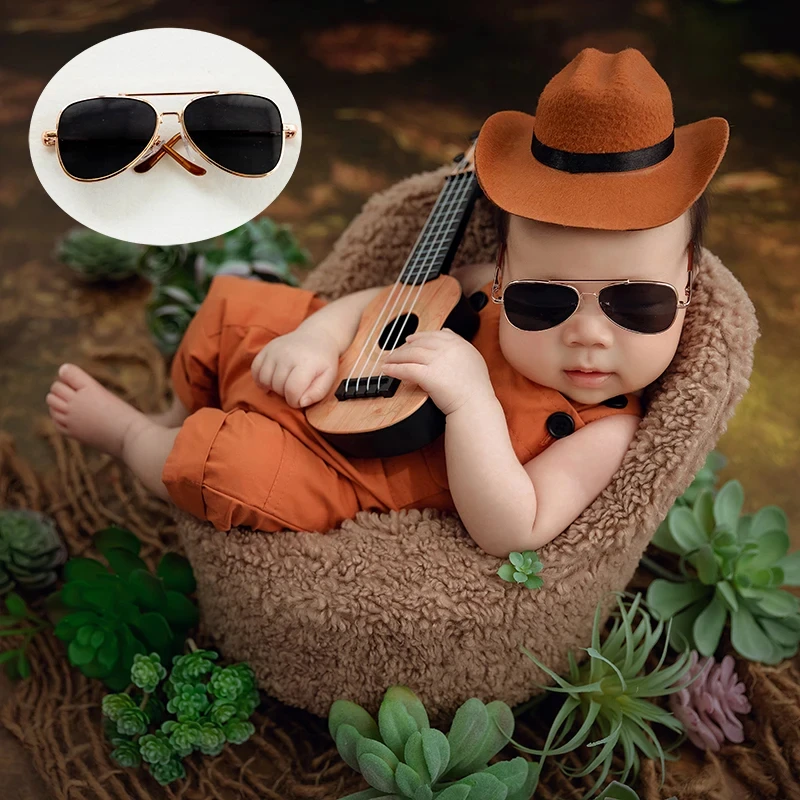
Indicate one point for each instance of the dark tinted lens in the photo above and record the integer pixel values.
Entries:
(240, 132)
(642, 307)
(538, 306)
(99, 137)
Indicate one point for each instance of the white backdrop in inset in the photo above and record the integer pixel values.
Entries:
(166, 205)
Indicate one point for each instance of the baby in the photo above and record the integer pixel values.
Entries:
(585, 307)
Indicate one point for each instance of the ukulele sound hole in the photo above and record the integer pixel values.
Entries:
(393, 335)
(395, 332)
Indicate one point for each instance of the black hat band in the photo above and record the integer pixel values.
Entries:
(602, 162)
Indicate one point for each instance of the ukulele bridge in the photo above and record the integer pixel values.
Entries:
(372, 386)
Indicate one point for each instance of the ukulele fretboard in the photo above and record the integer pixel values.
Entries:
(439, 238)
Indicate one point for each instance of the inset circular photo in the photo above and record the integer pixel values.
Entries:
(165, 136)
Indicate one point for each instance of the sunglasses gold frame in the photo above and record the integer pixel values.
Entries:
(498, 298)
(50, 138)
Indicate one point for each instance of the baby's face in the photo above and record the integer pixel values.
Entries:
(540, 251)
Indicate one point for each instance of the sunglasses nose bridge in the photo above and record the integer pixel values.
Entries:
(596, 295)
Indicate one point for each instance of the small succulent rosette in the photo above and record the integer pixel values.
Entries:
(523, 568)
(30, 550)
(708, 706)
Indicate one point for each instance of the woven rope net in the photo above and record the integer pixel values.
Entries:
(55, 714)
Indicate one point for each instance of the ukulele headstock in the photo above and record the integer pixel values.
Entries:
(465, 162)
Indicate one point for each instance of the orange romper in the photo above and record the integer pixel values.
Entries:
(245, 457)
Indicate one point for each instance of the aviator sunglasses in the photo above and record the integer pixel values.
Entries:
(638, 306)
(102, 136)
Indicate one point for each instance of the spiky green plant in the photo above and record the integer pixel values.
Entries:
(606, 697)
(619, 791)
(738, 562)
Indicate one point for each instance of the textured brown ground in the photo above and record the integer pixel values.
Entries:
(382, 97)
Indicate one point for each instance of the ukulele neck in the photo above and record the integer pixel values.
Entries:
(439, 239)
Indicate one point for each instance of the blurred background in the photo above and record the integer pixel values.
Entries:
(385, 90)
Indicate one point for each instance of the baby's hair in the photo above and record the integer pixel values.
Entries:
(698, 216)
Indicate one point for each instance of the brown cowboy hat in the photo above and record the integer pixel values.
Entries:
(602, 151)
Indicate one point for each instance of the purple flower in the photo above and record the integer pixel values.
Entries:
(708, 707)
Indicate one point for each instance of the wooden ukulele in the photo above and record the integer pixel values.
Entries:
(370, 415)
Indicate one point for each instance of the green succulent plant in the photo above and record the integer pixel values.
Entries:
(401, 756)
(706, 478)
(19, 621)
(170, 264)
(619, 791)
(606, 697)
(181, 274)
(30, 550)
(110, 616)
(522, 569)
(738, 562)
(259, 248)
(169, 311)
(211, 707)
(94, 256)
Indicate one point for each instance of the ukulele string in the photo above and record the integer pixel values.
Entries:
(435, 240)
(445, 236)
(441, 201)
(379, 317)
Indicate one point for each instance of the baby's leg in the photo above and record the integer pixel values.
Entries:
(174, 417)
(85, 410)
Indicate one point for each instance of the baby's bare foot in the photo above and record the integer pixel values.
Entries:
(85, 410)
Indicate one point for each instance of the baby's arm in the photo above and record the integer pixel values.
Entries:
(507, 506)
(339, 319)
(570, 474)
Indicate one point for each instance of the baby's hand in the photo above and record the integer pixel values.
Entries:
(299, 365)
(445, 365)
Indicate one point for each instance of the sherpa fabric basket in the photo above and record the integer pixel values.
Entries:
(407, 597)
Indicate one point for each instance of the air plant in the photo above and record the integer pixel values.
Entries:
(619, 791)
(607, 697)
(738, 564)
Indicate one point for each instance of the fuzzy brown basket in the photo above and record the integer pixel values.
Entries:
(407, 597)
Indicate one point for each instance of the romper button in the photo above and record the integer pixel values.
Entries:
(620, 401)
(560, 424)
(478, 300)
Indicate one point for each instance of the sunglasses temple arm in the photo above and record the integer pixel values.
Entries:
(166, 148)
